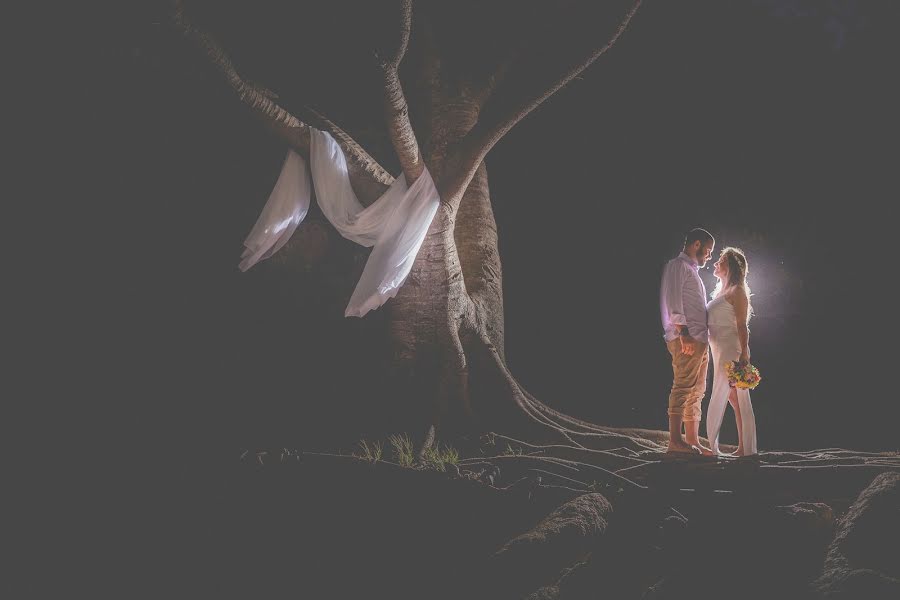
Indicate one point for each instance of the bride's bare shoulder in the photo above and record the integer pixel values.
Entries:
(738, 296)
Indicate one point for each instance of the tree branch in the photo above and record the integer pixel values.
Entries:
(282, 123)
(518, 96)
(396, 110)
(393, 49)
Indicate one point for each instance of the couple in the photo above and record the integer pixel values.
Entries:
(692, 327)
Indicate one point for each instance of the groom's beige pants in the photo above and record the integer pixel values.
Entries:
(689, 381)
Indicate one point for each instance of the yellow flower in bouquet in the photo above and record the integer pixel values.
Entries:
(742, 376)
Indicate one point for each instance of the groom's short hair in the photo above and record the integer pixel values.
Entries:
(698, 235)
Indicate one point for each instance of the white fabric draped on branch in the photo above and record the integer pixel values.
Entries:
(394, 225)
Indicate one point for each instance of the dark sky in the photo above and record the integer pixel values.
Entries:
(772, 124)
(774, 129)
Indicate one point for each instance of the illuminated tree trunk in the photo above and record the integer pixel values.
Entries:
(446, 322)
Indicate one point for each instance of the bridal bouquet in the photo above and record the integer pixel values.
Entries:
(745, 377)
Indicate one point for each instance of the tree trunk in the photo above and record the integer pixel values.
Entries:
(446, 322)
(434, 310)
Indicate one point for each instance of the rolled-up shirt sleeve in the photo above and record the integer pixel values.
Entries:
(673, 293)
(675, 298)
(683, 299)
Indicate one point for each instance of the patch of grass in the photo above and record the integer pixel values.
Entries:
(438, 457)
(510, 451)
(451, 455)
(403, 450)
(371, 453)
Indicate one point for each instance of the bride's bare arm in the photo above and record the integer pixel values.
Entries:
(741, 307)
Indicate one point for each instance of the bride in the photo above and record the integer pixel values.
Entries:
(728, 314)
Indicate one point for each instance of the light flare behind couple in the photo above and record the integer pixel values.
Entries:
(694, 329)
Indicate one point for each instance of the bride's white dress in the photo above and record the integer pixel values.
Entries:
(726, 346)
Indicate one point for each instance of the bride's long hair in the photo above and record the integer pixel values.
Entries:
(737, 275)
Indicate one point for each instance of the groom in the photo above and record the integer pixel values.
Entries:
(683, 308)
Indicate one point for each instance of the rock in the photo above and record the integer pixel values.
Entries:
(538, 557)
(813, 516)
(863, 561)
(577, 582)
(549, 592)
(858, 584)
(773, 551)
(800, 534)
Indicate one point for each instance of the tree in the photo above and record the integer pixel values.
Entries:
(471, 73)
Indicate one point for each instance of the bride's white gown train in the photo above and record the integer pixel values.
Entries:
(726, 346)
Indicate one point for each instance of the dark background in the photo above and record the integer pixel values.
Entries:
(772, 124)
(141, 355)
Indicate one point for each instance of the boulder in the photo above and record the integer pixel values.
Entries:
(863, 560)
(539, 556)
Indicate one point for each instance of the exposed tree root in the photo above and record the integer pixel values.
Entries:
(580, 455)
(543, 423)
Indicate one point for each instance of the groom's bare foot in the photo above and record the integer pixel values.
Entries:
(682, 448)
(700, 447)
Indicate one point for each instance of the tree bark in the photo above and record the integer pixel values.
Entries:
(446, 322)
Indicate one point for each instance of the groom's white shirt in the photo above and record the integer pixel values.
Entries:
(682, 299)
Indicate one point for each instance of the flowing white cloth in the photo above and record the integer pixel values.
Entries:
(726, 346)
(284, 211)
(395, 224)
